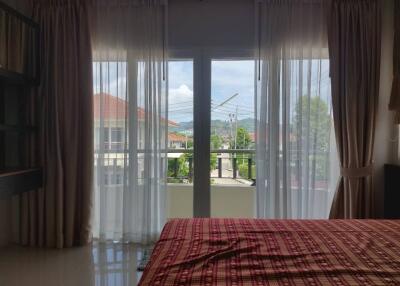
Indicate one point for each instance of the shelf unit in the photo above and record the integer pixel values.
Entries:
(18, 128)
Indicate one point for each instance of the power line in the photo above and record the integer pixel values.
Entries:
(230, 109)
(181, 102)
(227, 100)
(241, 112)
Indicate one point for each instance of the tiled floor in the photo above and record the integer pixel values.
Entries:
(95, 265)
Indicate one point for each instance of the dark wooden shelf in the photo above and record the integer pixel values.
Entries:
(18, 15)
(392, 191)
(17, 128)
(16, 181)
(14, 78)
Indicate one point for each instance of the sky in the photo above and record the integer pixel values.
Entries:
(113, 80)
(228, 78)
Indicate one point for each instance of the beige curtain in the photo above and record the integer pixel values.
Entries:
(394, 103)
(354, 35)
(296, 158)
(58, 215)
(130, 99)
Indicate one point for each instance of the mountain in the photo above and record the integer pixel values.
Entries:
(220, 127)
(248, 124)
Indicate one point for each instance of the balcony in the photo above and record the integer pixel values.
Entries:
(233, 201)
(228, 166)
(232, 181)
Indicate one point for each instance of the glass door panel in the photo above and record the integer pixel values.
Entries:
(180, 139)
(232, 141)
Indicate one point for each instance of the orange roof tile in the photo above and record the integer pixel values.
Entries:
(115, 108)
(174, 137)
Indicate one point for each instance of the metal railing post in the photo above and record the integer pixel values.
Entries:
(249, 175)
(235, 155)
(234, 167)
(190, 175)
(219, 167)
(175, 167)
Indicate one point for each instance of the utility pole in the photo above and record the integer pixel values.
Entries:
(231, 118)
(236, 126)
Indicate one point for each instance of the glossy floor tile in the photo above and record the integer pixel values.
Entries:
(96, 265)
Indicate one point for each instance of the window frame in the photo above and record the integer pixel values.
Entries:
(202, 75)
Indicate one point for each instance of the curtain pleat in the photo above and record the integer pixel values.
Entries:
(354, 32)
(58, 215)
(130, 118)
(295, 155)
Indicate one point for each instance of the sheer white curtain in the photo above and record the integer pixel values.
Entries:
(130, 115)
(296, 157)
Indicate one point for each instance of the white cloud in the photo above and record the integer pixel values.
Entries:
(118, 87)
(181, 96)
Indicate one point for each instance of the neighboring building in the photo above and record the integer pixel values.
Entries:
(252, 136)
(110, 118)
(178, 141)
(113, 111)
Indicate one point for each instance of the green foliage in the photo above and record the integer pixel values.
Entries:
(242, 162)
(182, 166)
(242, 139)
(311, 124)
(190, 144)
(243, 171)
(213, 161)
(216, 141)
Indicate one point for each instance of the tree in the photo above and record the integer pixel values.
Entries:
(243, 139)
(213, 161)
(216, 141)
(311, 127)
(182, 166)
(190, 143)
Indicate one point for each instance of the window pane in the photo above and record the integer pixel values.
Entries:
(232, 138)
(180, 138)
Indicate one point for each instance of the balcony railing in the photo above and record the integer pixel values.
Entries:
(225, 163)
(228, 163)
(228, 166)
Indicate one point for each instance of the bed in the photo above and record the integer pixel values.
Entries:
(275, 252)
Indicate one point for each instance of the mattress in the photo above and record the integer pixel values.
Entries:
(275, 252)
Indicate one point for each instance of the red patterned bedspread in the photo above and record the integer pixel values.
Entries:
(276, 252)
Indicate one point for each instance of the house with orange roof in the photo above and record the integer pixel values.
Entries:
(111, 116)
(178, 141)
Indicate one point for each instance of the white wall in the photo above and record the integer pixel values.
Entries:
(211, 23)
(385, 148)
(233, 201)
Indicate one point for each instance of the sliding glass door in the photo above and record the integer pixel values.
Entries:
(211, 158)
(232, 138)
(211, 166)
(180, 138)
